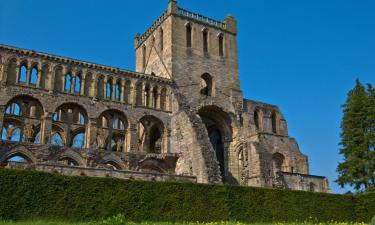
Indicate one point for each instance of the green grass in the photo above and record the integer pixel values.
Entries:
(162, 223)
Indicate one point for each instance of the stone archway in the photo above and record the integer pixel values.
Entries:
(217, 123)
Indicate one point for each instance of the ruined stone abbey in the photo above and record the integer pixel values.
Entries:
(181, 114)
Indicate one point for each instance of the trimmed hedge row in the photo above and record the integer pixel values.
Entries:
(29, 194)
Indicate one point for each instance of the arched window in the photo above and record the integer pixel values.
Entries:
(109, 87)
(150, 134)
(13, 109)
(16, 135)
(100, 88)
(22, 119)
(155, 95)
(69, 121)
(68, 82)
(56, 139)
(78, 140)
(112, 131)
(77, 84)
(161, 39)
(206, 85)
(37, 138)
(118, 91)
(256, 119)
(188, 35)
(205, 40)
(34, 76)
(274, 122)
(163, 99)
(221, 45)
(147, 95)
(22, 74)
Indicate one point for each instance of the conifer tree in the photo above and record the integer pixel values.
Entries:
(357, 136)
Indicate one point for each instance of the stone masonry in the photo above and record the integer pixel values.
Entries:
(181, 114)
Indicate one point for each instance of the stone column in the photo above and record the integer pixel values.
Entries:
(72, 81)
(105, 80)
(91, 133)
(113, 91)
(28, 73)
(17, 71)
(93, 88)
(46, 128)
(2, 72)
(51, 76)
(132, 93)
(83, 82)
(151, 97)
(143, 96)
(2, 113)
(38, 79)
(122, 91)
(158, 99)
(133, 137)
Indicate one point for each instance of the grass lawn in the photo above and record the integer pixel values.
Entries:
(111, 222)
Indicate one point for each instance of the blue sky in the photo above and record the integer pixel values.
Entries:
(301, 55)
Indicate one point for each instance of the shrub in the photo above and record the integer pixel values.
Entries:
(35, 195)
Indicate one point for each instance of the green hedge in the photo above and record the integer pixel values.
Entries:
(27, 194)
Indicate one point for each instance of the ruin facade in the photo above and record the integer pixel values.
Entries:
(181, 113)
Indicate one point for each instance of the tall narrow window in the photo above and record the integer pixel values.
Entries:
(188, 35)
(109, 90)
(77, 84)
(205, 40)
(144, 57)
(68, 82)
(34, 76)
(161, 39)
(256, 119)
(221, 45)
(274, 122)
(22, 75)
(117, 91)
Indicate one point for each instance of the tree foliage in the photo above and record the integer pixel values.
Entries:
(358, 139)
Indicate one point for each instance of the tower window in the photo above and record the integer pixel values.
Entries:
(221, 45)
(161, 39)
(205, 40)
(144, 57)
(188, 35)
(274, 122)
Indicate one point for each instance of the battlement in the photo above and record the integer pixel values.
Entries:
(202, 19)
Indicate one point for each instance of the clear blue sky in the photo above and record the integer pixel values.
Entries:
(301, 55)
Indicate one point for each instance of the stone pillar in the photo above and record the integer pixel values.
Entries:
(28, 73)
(113, 91)
(38, 79)
(91, 132)
(93, 88)
(2, 68)
(105, 80)
(51, 76)
(133, 137)
(132, 93)
(151, 97)
(83, 82)
(72, 81)
(110, 128)
(17, 71)
(143, 96)
(46, 128)
(158, 99)
(122, 91)
(2, 113)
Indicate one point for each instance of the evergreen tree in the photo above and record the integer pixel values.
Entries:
(357, 139)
